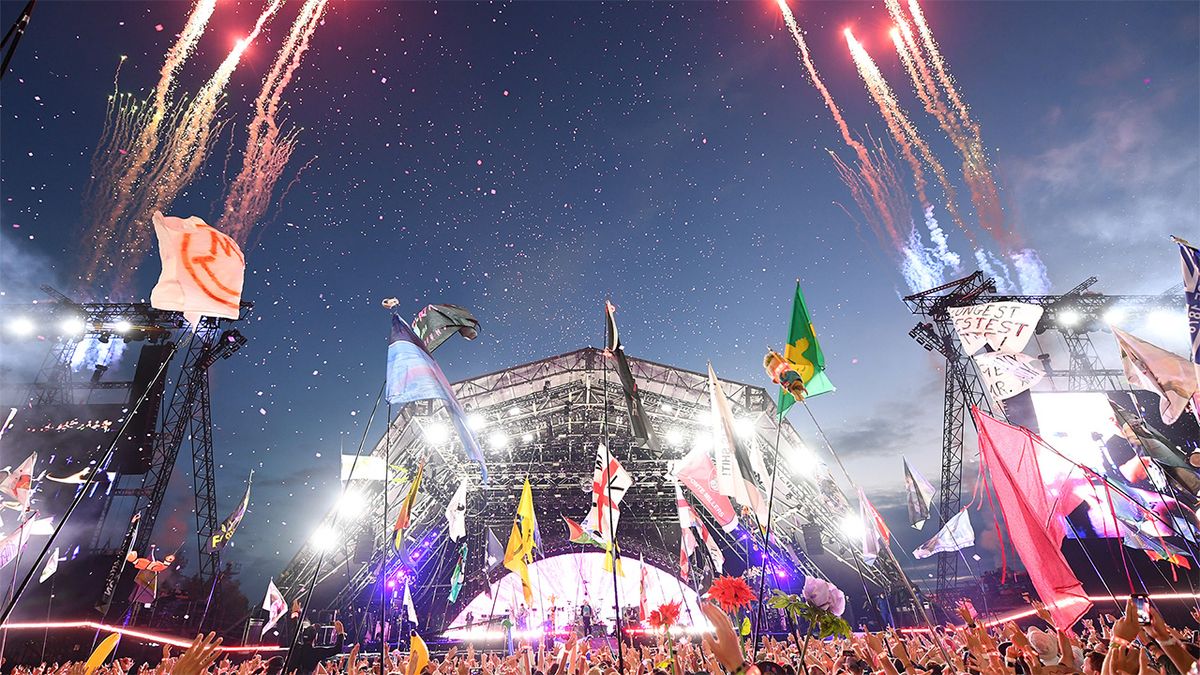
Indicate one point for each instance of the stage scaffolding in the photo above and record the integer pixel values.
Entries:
(543, 421)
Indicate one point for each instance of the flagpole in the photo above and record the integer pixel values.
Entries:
(321, 556)
(387, 551)
(616, 553)
(762, 579)
(79, 495)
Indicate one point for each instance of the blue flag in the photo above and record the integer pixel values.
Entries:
(413, 375)
(1190, 258)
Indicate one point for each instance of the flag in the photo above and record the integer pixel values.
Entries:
(495, 552)
(688, 514)
(876, 534)
(457, 576)
(202, 269)
(413, 375)
(12, 412)
(456, 512)
(1189, 259)
(1010, 455)
(920, 495)
(610, 482)
(408, 605)
(577, 534)
(1003, 326)
(955, 535)
(1165, 454)
(612, 559)
(418, 655)
(1006, 375)
(437, 323)
(50, 568)
(519, 553)
(145, 587)
(735, 477)
(643, 578)
(11, 545)
(106, 647)
(19, 482)
(364, 467)
(404, 519)
(697, 472)
(1156, 548)
(639, 424)
(687, 539)
(804, 353)
(275, 605)
(685, 567)
(1155, 369)
(230, 525)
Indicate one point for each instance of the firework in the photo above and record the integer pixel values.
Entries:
(268, 148)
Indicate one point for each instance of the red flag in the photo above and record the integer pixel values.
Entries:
(1010, 454)
(697, 472)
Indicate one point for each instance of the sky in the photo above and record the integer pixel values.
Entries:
(529, 160)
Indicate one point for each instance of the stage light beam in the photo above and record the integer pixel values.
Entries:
(122, 327)
(674, 436)
(72, 326)
(498, 440)
(1069, 318)
(324, 538)
(351, 505)
(437, 433)
(21, 326)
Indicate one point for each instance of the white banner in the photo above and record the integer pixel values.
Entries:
(202, 269)
(1006, 375)
(368, 468)
(1004, 326)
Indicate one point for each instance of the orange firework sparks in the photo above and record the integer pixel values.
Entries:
(268, 149)
(867, 170)
(902, 129)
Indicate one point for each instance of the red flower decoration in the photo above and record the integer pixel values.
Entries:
(731, 593)
(665, 616)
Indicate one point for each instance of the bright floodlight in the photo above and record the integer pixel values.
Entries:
(72, 326)
(1069, 318)
(437, 433)
(498, 440)
(804, 463)
(324, 538)
(1114, 315)
(122, 326)
(514, 411)
(476, 421)
(20, 326)
(853, 527)
(351, 504)
(675, 436)
(744, 426)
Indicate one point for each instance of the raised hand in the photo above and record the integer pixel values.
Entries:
(199, 656)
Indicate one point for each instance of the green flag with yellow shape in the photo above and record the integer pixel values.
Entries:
(804, 353)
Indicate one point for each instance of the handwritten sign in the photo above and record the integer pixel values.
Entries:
(1003, 326)
(1006, 375)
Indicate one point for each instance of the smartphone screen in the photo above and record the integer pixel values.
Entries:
(1141, 604)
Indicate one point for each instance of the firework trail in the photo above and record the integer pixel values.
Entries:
(125, 153)
(1031, 272)
(869, 174)
(994, 267)
(903, 131)
(268, 148)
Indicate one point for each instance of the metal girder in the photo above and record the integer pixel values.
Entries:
(549, 415)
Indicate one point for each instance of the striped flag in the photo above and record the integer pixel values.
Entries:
(876, 534)
(405, 518)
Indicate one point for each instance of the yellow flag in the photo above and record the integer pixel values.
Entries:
(528, 519)
(418, 655)
(521, 542)
(406, 507)
(103, 650)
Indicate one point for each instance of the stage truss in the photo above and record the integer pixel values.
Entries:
(551, 415)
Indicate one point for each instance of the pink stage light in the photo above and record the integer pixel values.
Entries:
(152, 637)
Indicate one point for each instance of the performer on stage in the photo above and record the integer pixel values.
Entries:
(585, 616)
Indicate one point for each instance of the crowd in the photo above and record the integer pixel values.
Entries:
(1108, 645)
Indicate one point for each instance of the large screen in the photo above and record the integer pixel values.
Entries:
(1148, 486)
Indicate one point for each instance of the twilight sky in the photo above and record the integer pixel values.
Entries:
(528, 160)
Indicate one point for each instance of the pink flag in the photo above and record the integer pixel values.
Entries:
(697, 472)
(19, 482)
(1010, 454)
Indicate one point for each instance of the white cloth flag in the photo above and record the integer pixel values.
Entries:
(1006, 375)
(11, 545)
(12, 412)
(920, 494)
(19, 482)
(1004, 326)
(202, 269)
(275, 606)
(456, 512)
(1155, 369)
(368, 467)
(609, 485)
(876, 534)
(955, 536)
(735, 472)
(408, 604)
(50, 568)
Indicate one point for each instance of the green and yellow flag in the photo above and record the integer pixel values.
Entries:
(804, 353)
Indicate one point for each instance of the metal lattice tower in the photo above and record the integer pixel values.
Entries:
(1074, 315)
(551, 412)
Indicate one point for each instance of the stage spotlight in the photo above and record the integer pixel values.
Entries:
(351, 505)
(667, 407)
(71, 326)
(744, 426)
(675, 436)
(476, 421)
(437, 433)
(498, 440)
(514, 411)
(703, 418)
(1115, 315)
(853, 527)
(323, 538)
(804, 463)
(122, 326)
(703, 441)
(21, 326)
(1069, 318)
(526, 437)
